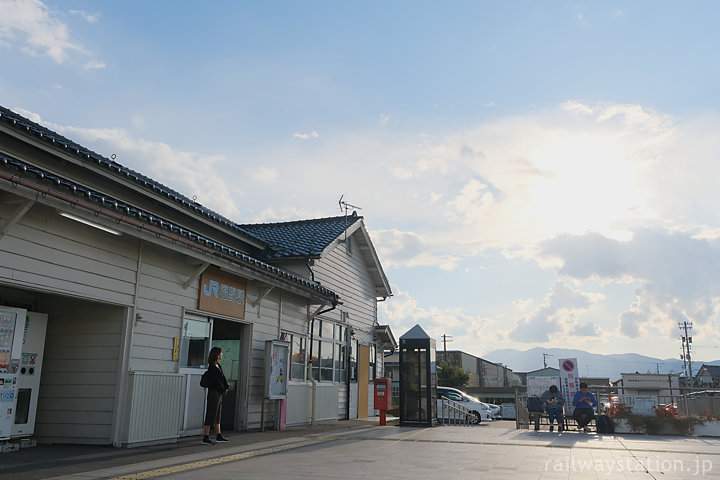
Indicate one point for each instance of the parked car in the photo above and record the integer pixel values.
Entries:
(479, 410)
(495, 411)
(508, 411)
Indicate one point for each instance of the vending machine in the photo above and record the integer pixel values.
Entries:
(12, 329)
(28, 383)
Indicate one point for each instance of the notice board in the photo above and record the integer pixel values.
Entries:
(277, 353)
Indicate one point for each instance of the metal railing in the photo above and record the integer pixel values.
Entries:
(453, 413)
(692, 401)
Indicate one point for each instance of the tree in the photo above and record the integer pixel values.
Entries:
(451, 376)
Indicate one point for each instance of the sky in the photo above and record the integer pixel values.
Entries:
(532, 174)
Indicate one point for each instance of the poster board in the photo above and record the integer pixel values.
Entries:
(539, 385)
(277, 353)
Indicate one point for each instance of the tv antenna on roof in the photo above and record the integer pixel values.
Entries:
(344, 206)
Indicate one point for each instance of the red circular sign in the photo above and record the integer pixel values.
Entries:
(568, 365)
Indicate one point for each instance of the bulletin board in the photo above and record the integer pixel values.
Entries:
(277, 353)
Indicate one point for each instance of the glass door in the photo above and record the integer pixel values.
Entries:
(194, 349)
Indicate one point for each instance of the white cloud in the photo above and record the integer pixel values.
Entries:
(585, 330)
(677, 271)
(511, 183)
(264, 175)
(39, 30)
(473, 197)
(556, 317)
(408, 249)
(306, 136)
(94, 65)
(467, 330)
(137, 121)
(384, 119)
(88, 17)
(189, 173)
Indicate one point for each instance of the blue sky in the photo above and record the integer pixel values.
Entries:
(532, 173)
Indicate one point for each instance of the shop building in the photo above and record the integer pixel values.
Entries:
(138, 281)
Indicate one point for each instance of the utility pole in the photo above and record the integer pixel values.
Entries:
(686, 341)
(545, 355)
(446, 338)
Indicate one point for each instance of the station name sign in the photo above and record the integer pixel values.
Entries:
(222, 293)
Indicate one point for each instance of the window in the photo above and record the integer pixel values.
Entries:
(454, 396)
(329, 356)
(298, 349)
(195, 342)
(373, 363)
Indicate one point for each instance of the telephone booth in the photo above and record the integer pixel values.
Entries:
(418, 379)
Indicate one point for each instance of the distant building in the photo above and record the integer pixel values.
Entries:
(708, 376)
(666, 387)
(490, 382)
(483, 373)
(544, 372)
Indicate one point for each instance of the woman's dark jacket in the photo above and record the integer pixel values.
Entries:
(217, 380)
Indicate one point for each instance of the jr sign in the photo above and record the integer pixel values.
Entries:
(222, 293)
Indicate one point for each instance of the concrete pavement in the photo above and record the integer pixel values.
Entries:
(362, 449)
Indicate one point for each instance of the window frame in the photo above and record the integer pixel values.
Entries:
(328, 367)
(297, 342)
(186, 347)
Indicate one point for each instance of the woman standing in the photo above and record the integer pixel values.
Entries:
(217, 388)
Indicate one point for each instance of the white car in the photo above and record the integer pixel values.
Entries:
(479, 410)
(494, 411)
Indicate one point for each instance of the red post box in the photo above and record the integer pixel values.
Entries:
(383, 396)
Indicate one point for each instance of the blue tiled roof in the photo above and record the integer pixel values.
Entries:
(301, 238)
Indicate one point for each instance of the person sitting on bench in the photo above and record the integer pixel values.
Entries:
(584, 403)
(553, 402)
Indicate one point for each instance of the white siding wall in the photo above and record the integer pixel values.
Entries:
(161, 298)
(79, 375)
(347, 275)
(49, 252)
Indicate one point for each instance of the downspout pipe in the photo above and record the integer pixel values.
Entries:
(309, 267)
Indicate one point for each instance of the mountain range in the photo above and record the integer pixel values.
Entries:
(589, 364)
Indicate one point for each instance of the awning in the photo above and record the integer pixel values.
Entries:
(385, 337)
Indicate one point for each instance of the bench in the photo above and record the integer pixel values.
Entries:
(541, 418)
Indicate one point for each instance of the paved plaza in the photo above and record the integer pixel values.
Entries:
(364, 450)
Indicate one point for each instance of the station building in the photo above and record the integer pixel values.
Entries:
(137, 282)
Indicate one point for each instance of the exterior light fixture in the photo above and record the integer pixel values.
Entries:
(88, 222)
